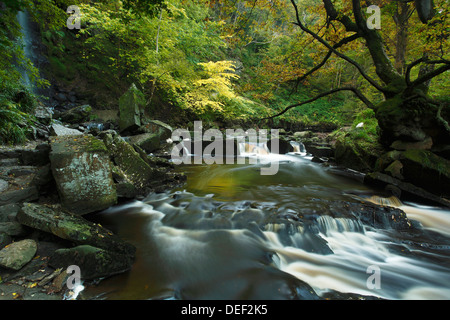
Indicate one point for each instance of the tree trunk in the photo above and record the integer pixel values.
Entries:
(401, 17)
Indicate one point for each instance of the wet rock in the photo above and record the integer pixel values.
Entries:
(279, 146)
(18, 254)
(379, 217)
(161, 129)
(408, 190)
(320, 150)
(76, 115)
(136, 170)
(71, 227)
(93, 262)
(3, 185)
(29, 193)
(130, 106)
(12, 228)
(60, 130)
(427, 170)
(149, 142)
(82, 172)
(8, 212)
(5, 239)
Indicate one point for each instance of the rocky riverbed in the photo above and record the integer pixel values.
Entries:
(51, 186)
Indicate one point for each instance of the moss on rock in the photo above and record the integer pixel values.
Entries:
(82, 171)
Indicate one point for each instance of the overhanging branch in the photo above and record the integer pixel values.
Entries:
(324, 94)
(340, 55)
(327, 56)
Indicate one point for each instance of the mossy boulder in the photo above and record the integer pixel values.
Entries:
(82, 171)
(133, 167)
(356, 154)
(71, 227)
(131, 106)
(149, 142)
(427, 170)
(93, 262)
(77, 114)
(163, 130)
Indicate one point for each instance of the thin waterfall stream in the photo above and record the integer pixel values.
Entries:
(307, 232)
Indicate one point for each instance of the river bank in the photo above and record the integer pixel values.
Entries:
(53, 188)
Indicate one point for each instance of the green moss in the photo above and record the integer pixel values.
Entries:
(428, 160)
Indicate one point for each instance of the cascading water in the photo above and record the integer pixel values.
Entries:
(232, 233)
(31, 44)
(27, 42)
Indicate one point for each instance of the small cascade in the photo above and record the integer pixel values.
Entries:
(388, 202)
(246, 148)
(299, 147)
(328, 224)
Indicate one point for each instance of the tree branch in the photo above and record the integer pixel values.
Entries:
(430, 75)
(427, 76)
(327, 56)
(326, 44)
(324, 94)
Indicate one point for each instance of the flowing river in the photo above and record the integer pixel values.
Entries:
(232, 233)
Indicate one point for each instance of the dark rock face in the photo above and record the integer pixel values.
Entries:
(93, 262)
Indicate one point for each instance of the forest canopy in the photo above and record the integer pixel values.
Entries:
(306, 61)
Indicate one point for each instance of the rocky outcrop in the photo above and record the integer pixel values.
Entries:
(413, 173)
(70, 227)
(82, 172)
(130, 109)
(77, 114)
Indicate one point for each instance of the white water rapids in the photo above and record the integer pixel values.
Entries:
(231, 233)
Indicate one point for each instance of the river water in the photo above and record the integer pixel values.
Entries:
(232, 233)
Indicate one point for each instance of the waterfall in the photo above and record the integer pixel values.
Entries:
(329, 224)
(31, 48)
(27, 42)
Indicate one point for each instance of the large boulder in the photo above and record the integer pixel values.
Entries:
(82, 171)
(130, 109)
(77, 115)
(148, 142)
(72, 228)
(136, 170)
(93, 262)
(60, 130)
(161, 129)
